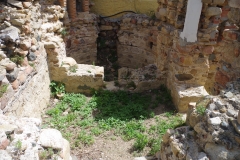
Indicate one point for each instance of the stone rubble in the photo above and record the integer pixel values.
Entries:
(23, 139)
(211, 134)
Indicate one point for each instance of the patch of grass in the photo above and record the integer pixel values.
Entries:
(46, 154)
(85, 138)
(201, 110)
(3, 89)
(17, 59)
(141, 142)
(73, 68)
(80, 119)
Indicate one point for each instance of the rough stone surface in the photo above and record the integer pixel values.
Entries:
(51, 138)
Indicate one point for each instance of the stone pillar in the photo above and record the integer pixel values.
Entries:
(85, 5)
(71, 7)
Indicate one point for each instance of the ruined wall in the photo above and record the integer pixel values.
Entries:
(194, 67)
(212, 133)
(81, 38)
(137, 40)
(23, 59)
(32, 43)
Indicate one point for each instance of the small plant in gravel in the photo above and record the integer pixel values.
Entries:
(3, 89)
(17, 59)
(201, 110)
(18, 145)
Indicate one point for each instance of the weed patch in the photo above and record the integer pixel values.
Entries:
(81, 119)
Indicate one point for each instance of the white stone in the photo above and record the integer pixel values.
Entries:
(51, 138)
(214, 121)
(69, 61)
(4, 155)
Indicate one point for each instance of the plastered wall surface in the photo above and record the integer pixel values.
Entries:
(110, 7)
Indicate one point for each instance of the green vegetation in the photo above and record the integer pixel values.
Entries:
(17, 59)
(46, 154)
(3, 89)
(201, 110)
(73, 68)
(64, 32)
(81, 119)
(57, 88)
(18, 145)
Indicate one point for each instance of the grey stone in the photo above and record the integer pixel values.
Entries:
(202, 156)
(214, 121)
(212, 106)
(236, 126)
(4, 155)
(15, 3)
(219, 104)
(31, 56)
(220, 152)
(231, 113)
(228, 95)
(12, 76)
(10, 34)
(224, 125)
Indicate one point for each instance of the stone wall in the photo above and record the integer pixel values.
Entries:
(23, 59)
(32, 43)
(137, 38)
(205, 65)
(81, 38)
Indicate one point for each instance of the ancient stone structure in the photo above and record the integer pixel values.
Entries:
(205, 65)
(137, 41)
(32, 43)
(211, 134)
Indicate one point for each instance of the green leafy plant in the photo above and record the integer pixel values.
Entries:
(201, 110)
(18, 145)
(64, 32)
(141, 142)
(73, 68)
(57, 88)
(3, 89)
(17, 59)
